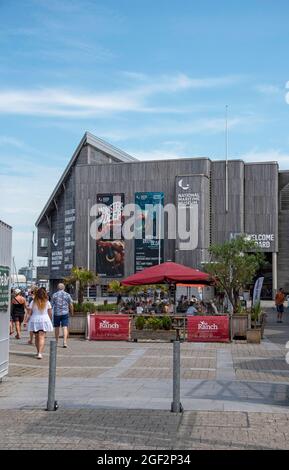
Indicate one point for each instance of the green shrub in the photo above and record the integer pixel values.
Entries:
(140, 323)
(105, 308)
(154, 323)
(256, 311)
(85, 307)
(166, 322)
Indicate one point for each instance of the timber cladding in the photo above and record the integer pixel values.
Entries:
(252, 206)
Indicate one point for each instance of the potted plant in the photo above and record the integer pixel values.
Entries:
(153, 328)
(254, 333)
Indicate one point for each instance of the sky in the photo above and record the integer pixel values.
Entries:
(152, 77)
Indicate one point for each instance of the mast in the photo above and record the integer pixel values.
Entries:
(32, 258)
(226, 175)
(15, 271)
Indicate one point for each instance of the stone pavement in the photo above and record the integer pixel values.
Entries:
(111, 429)
(117, 395)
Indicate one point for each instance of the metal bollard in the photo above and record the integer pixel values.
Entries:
(176, 406)
(51, 403)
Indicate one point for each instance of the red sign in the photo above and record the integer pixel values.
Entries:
(211, 328)
(108, 327)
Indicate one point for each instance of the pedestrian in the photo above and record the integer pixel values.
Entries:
(191, 309)
(31, 295)
(279, 301)
(139, 309)
(18, 310)
(62, 305)
(39, 319)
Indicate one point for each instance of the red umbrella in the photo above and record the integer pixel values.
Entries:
(167, 273)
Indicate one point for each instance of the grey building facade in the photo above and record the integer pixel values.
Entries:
(229, 198)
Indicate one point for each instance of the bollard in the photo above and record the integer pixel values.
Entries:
(176, 406)
(51, 403)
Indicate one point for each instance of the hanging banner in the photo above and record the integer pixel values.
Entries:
(149, 244)
(110, 247)
(4, 288)
(257, 290)
(108, 327)
(208, 328)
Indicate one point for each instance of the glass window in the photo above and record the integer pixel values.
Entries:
(43, 242)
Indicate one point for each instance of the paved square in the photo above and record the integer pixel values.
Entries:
(118, 395)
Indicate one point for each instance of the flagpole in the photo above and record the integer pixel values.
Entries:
(88, 241)
(226, 175)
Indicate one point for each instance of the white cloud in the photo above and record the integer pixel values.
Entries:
(270, 155)
(25, 188)
(5, 140)
(209, 126)
(268, 89)
(66, 103)
(181, 82)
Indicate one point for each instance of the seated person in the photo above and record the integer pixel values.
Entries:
(139, 309)
(191, 309)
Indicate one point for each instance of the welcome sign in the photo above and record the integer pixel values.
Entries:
(4, 288)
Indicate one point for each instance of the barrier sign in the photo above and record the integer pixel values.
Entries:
(208, 328)
(108, 327)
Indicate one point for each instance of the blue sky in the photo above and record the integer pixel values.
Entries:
(151, 77)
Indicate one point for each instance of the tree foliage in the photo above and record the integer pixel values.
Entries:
(81, 278)
(233, 265)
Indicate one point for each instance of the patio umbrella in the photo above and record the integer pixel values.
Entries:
(168, 273)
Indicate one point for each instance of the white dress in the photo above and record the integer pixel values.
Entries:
(39, 319)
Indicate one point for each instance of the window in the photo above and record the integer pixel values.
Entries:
(43, 242)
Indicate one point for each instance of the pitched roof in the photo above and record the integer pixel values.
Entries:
(97, 143)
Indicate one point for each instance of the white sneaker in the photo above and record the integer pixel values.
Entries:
(39, 356)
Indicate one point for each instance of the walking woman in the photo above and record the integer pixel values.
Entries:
(39, 319)
(18, 307)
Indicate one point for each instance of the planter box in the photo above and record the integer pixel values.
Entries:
(239, 326)
(153, 335)
(77, 324)
(254, 336)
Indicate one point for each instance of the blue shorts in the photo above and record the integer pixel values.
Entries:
(280, 308)
(60, 320)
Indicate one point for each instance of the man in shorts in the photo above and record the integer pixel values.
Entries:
(279, 301)
(62, 305)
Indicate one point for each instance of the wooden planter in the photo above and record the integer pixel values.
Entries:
(254, 336)
(239, 326)
(77, 324)
(153, 335)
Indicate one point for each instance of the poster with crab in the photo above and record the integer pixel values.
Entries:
(110, 246)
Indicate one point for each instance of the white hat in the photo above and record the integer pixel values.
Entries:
(17, 291)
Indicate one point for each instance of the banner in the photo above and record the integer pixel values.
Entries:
(4, 288)
(257, 290)
(208, 328)
(108, 327)
(110, 247)
(149, 251)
